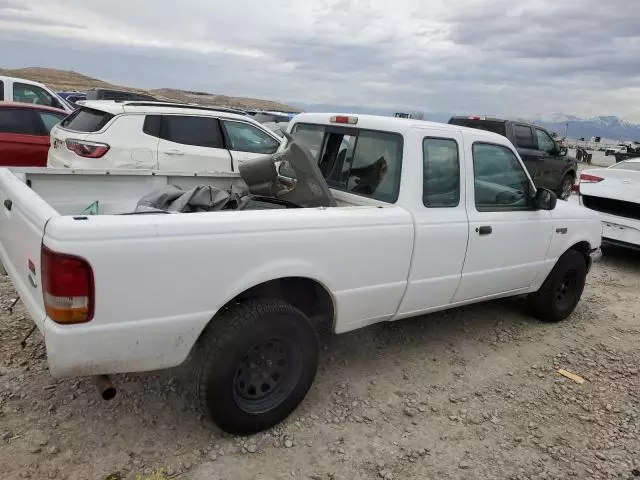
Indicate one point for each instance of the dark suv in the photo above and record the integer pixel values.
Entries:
(547, 162)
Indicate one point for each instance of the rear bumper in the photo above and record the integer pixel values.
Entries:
(620, 231)
(89, 349)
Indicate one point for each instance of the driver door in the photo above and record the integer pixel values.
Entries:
(508, 238)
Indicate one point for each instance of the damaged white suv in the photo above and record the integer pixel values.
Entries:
(108, 134)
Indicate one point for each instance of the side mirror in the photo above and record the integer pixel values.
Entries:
(545, 199)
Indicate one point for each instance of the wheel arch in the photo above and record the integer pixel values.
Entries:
(311, 296)
(583, 247)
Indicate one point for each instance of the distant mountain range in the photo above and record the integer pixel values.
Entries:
(609, 127)
(606, 127)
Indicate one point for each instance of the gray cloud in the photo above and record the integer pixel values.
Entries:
(480, 56)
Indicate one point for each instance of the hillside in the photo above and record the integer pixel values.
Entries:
(61, 80)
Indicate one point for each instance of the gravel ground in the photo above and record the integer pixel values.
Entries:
(472, 393)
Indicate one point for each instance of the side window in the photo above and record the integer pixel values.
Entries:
(25, 93)
(524, 136)
(375, 170)
(441, 173)
(191, 130)
(500, 181)
(243, 137)
(545, 142)
(49, 119)
(19, 121)
(1, 91)
(151, 125)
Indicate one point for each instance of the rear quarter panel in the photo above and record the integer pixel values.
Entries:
(159, 279)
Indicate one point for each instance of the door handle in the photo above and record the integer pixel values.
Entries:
(484, 230)
(174, 152)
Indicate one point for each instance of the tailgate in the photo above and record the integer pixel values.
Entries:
(23, 216)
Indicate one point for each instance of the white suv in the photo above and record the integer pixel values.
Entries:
(154, 135)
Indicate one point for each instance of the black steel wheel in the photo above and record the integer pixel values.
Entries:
(267, 374)
(561, 291)
(255, 364)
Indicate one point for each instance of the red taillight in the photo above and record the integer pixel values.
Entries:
(587, 178)
(87, 149)
(67, 287)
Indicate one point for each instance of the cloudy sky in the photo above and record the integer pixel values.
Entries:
(474, 56)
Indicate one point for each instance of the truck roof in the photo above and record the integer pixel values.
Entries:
(392, 124)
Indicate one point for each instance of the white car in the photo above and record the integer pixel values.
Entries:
(160, 136)
(614, 192)
(420, 217)
(21, 90)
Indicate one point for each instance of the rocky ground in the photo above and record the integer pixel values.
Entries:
(472, 393)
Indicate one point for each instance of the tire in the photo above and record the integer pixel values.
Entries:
(561, 291)
(255, 364)
(566, 186)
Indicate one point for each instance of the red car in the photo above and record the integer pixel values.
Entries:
(24, 133)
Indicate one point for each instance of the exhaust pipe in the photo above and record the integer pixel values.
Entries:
(105, 388)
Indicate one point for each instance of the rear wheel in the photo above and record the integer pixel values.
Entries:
(566, 187)
(255, 364)
(561, 291)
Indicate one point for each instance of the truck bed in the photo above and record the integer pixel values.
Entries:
(159, 279)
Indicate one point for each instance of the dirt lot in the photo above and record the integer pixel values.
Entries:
(468, 394)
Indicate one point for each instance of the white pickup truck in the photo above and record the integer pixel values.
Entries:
(419, 217)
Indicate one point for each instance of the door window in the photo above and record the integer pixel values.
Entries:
(191, 130)
(25, 93)
(441, 173)
(524, 136)
(1, 91)
(49, 119)
(18, 121)
(501, 182)
(243, 137)
(545, 142)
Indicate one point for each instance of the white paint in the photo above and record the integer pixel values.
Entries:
(620, 183)
(160, 278)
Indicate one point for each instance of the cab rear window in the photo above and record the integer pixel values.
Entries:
(86, 120)
(360, 161)
(495, 126)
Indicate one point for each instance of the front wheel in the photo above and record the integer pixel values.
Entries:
(561, 291)
(255, 364)
(566, 186)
